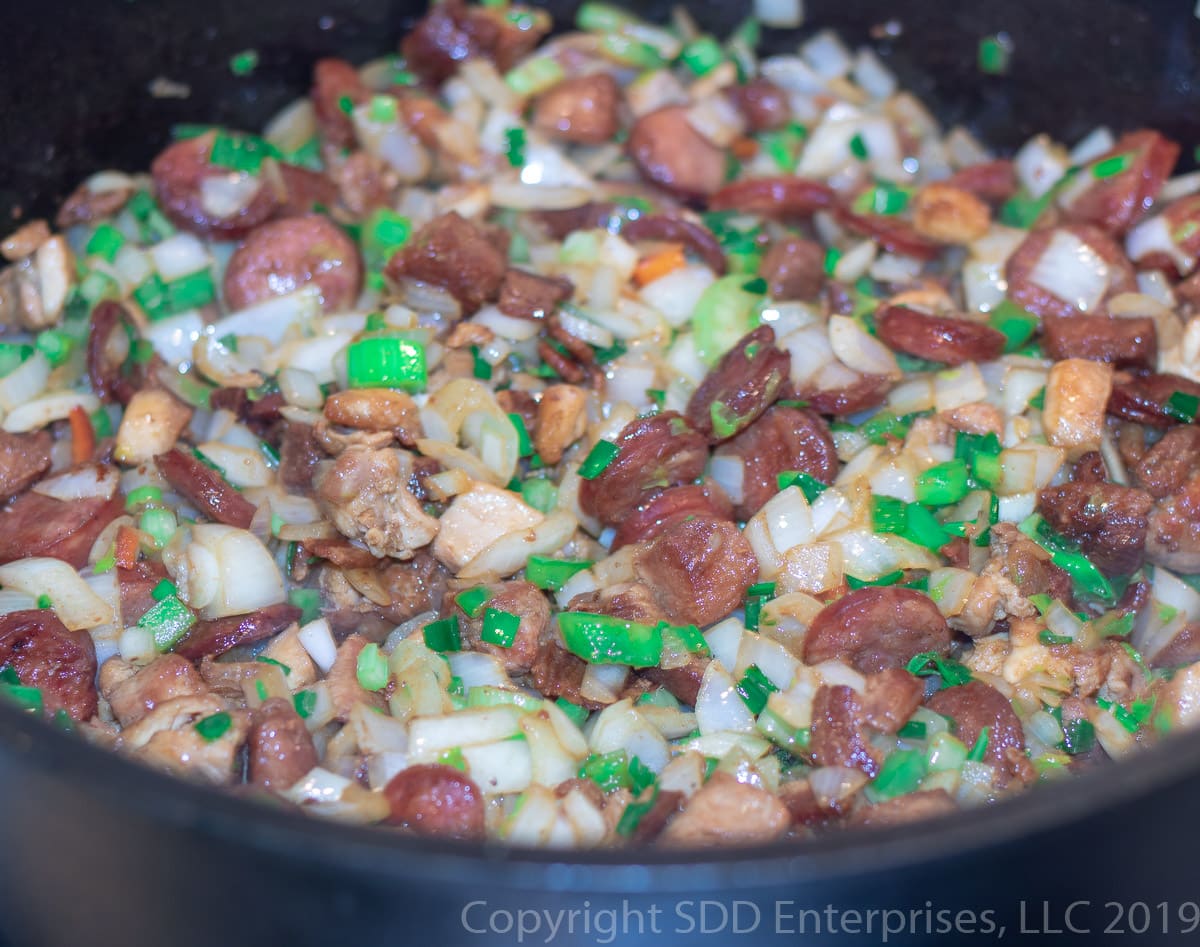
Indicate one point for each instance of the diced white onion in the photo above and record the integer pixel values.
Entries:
(179, 255)
(73, 600)
(49, 408)
(1072, 271)
(719, 707)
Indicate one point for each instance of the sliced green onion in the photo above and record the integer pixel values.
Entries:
(263, 659)
(1089, 581)
(1111, 167)
(598, 459)
(44, 601)
(995, 53)
(534, 75)
(244, 153)
(56, 345)
(514, 147)
(913, 730)
(950, 671)
(576, 714)
(164, 589)
(382, 234)
(214, 726)
(809, 485)
(169, 620)
(1018, 325)
(143, 496)
(631, 52)
(190, 292)
(159, 524)
(602, 639)
(500, 627)
(471, 601)
(552, 574)
(105, 242)
(309, 603)
(1079, 736)
(885, 425)
(884, 199)
(305, 703)
(832, 256)
(884, 580)
(372, 668)
(383, 109)
(104, 564)
(793, 739)
(443, 635)
(687, 637)
(1182, 407)
(901, 773)
(387, 362)
(602, 18)
(634, 812)
(12, 356)
(858, 147)
(979, 750)
(702, 55)
(243, 63)
(524, 443)
(754, 688)
(943, 484)
(725, 312)
(1047, 637)
(453, 757)
(540, 493)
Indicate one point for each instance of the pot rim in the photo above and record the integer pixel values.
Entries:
(140, 792)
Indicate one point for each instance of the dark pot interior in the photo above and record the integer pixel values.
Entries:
(96, 850)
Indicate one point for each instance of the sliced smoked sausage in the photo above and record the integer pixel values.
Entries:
(285, 255)
(740, 387)
(582, 109)
(942, 339)
(784, 439)
(659, 451)
(45, 655)
(280, 748)
(698, 570)
(975, 705)
(875, 628)
(432, 799)
(669, 152)
(36, 525)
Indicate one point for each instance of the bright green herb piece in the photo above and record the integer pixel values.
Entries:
(534, 75)
(754, 688)
(1182, 407)
(471, 601)
(995, 54)
(979, 750)
(1088, 580)
(598, 459)
(143, 496)
(943, 484)
(552, 574)
(602, 639)
(1110, 167)
(243, 63)
(809, 485)
(576, 714)
(159, 524)
(858, 147)
(383, 109)
(702, 55)
(169, 620)
(309, 603)
(214, 726)
(950, 671)
(515, 146)
(106, 242)
(725, 312)
(387, 362)
(372, 668)
(500, 627)
(901, 773)
(540, 493)
(1017, 324)
(443, 635)
(913, 730)
(524, 443)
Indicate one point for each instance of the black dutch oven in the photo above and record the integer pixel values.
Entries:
(96, 850)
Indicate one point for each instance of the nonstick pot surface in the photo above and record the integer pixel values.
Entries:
(96, 850)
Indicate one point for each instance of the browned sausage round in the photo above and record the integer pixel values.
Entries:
(762, 103)
(975, 705)
(1173, 535)
(673, 155)
(205, 489)
(1107, 520)
(938, 338)
(179, 175)
(837, 737)
(1028, 294)
(304, 190)
(740, 387)
(868, 391)
(215, 637)
(45, 655)
(1145, 399)
(431, 799)
(663, 510)
(1126, 343)
(280, 747)
(698, 238)
(1170, 463)
(530, 605)
(582, 109)
(1117, 201)
(452, 31)
(36, 525)
(336, 82)
(892, 233)
(781, 197)
(794, 268)
(23, 460)
(699, 570)
(875, 628)
(658, 451)
(285, 255)
(456, 254)
(993, 181)
(782, 440)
